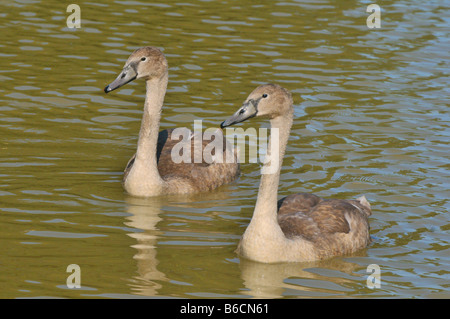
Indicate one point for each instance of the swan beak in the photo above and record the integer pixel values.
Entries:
(247, 111)
(127, 75)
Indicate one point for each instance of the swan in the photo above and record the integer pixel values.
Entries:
(151, 171)
(300, 227)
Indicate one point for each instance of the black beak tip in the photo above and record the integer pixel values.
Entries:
(107, 89)
(222, 125)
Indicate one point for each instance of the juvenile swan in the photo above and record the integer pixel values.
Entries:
(299, 227)
(151, 171)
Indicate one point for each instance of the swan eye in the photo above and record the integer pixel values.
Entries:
(143, 59)
(264, 95)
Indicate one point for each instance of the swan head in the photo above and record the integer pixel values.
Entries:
(144, 63)
(268, 100)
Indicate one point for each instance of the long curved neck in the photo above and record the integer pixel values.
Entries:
(148, 134)
(266, 204)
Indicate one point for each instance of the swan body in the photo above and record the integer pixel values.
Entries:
(152, 170)
(300, 227)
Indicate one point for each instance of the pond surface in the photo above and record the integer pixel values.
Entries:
(372, 117)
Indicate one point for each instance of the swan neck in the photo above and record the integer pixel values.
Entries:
(148, 134)
(266, 204)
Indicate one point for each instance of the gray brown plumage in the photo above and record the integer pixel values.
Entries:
(322, 221)
(203, 176)
(299, 227)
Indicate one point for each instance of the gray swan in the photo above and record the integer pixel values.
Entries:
(152, 171)
(300, 227)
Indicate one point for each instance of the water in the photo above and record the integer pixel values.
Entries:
(371, 118)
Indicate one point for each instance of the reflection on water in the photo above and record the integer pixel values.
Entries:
(371, 118)
(144, 217)
(329, 278)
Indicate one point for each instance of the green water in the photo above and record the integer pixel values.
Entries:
(372, 114)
